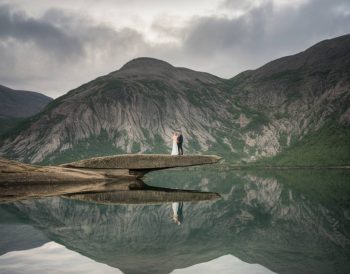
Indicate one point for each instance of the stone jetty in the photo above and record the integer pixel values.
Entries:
(139, 164)
(98, 169)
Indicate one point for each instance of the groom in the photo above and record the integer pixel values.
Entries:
(180, 140)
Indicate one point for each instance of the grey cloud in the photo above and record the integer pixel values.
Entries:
(214, 34)
(237, 4)
(64, 35)
(264, 33)
(16, 25)
(59, 50)
(92, 34)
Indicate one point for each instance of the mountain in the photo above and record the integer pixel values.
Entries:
(304, 95)
(18, 104)
(255, 114)
(134, 109)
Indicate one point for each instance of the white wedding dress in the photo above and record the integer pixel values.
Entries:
(175, 207)
(175, 150)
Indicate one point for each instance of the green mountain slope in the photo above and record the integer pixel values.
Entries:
(329, 146)
(8, 124)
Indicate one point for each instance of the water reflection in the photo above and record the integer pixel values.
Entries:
(22, 191)
(118, 192)
(177, 215)
(288, 222)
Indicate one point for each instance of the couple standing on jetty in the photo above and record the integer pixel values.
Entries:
(177, 144)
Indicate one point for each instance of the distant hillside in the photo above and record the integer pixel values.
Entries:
(328, 146)
(254, 115)
(21, 103)
(15, 105)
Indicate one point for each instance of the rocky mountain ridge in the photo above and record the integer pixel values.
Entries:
(248, 117)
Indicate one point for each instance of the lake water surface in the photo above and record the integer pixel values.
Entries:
(291, 221)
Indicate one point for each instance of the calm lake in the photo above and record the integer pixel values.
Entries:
(285, 221)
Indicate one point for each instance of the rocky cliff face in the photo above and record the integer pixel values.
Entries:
(135, 109)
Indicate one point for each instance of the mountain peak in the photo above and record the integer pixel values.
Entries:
(146, 66)
(146, 63)
(323, 56)
(151, 68)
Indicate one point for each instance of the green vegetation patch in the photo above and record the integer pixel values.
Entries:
(91, 147)
(7, 124)
(287, 75)
(114, 84)
(257, 122)
(14, 129)
(136, 147)
(193, 146)
(193, 98)
(329, 146)
(158, 144)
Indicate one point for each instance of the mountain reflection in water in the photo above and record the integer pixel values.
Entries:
(288, 222)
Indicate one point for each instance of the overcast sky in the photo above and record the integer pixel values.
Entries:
(54, 46)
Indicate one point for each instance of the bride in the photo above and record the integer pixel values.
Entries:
(177, 215)
(175, 150)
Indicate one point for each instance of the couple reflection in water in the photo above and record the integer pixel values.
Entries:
(177, 215)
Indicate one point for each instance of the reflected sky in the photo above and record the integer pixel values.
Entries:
(51, 258)
(59, 259)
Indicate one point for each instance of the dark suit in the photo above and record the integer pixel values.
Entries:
(180, 140)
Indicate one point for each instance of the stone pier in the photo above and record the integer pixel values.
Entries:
(98, 169)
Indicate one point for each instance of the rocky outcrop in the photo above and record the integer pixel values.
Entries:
(144, 161)
(12, 172)
(97, 169)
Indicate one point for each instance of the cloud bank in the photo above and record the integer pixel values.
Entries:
(55, 49)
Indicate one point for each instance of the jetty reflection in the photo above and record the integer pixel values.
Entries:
(118, 192)
(144, 195)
